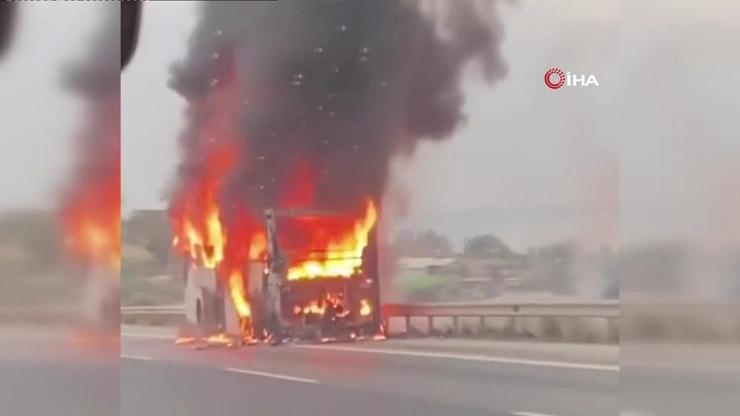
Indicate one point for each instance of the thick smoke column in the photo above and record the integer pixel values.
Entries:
(319, 95)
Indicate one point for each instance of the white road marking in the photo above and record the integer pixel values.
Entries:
(136, 357)
(466, 357)
(530, 414)
(153, 336)
(271, 375)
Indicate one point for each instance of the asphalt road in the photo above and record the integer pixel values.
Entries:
(63, 373)
(159, 378)
(685, 389)
(58, 372)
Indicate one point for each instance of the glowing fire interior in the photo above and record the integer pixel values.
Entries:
(365, 308)
(341, 255)
(331, 302)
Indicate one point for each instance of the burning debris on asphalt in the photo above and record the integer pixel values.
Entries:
(304, 103)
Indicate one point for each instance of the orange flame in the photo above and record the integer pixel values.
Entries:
(200, 233)
(257, 246)
(197, 226)
(185, 340)
(332, 301)
(93, 228)
(342, 257)
(207, 247)
(365, 308)
(90, 212)
(220, 339)
(236, 290)
(311, 308)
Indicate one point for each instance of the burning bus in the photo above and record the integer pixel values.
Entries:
(310, 113)
(310, 275)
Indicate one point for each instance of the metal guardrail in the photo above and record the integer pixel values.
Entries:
(41, 314)
(556, 310)
(458, 313)
(153, 315)
(607, 310)
(153, 310)
(683, 319)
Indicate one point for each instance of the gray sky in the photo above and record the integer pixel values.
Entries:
(151, 112)
(679, 147)
(40, 117)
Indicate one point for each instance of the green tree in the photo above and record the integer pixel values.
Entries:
(485, 246)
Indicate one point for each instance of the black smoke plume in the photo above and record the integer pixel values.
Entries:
(338, 87)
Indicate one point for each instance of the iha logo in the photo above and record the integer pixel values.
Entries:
(556, 78)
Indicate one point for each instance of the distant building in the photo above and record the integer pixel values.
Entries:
(490, 276)
(429, 264)
(423, 278)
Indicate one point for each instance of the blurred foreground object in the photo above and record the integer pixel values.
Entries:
(680, 264)
(59, 128)
(7, 24)
(130, 17)
(91, 207)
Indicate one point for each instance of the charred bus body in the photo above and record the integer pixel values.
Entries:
(311, 307)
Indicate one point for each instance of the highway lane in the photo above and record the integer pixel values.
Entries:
(680, 389)
(58, 372)
(160, 378)
(72, 388)
(65, 373)
(161, 389)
